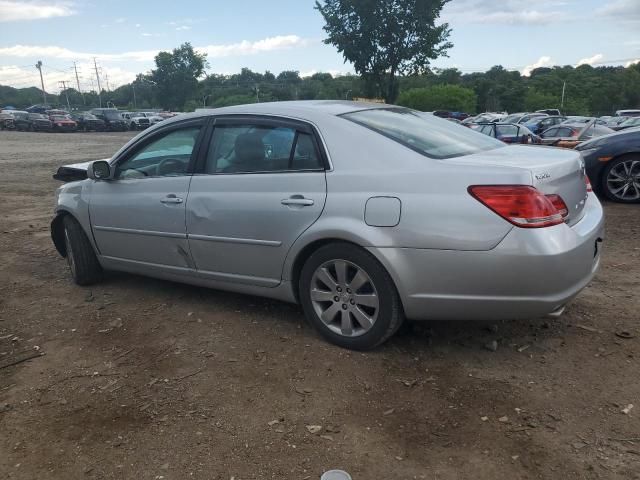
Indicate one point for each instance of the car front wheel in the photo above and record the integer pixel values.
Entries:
(349, 297)
(82, 260)
(621, 179)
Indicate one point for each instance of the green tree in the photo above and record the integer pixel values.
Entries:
(176, 75)
(386, 38)
(439, 97)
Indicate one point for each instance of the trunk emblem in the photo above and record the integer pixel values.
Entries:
(542, 176)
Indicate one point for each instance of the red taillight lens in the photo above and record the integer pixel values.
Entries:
(521, 205)
(557, 202)
(588, 182)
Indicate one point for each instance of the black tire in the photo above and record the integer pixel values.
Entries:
(605, 185)
(390, 315)
(82, 260)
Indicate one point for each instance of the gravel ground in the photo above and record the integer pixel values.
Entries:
(146, 379)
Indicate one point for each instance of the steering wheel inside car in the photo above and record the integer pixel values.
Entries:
(170, 165)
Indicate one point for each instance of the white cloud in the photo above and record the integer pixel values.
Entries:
(625, 11)
(183, 27)
(505, 12)
(245, 47)
(145, 34)
(334, 73)
(590, 60)
(121, 20)
(138, 25)
(15, 10)
(544, 61)
(632, 62)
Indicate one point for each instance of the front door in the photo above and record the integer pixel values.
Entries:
(139, 216)
(262, 184)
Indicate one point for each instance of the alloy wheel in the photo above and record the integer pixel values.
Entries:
(623, 180)
(344, 298)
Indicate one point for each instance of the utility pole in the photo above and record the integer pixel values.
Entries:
(78, 83)
(95, 65)
(64, 87)
(106, 79)
(564, 85)
(133, 87)
(44, 94)
(257, 94)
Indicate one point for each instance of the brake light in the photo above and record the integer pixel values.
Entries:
(522, 205)
(588, 182)
(556, 201)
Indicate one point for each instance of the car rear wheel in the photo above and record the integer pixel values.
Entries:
(621, 179)
(82, 260)
(349, 297)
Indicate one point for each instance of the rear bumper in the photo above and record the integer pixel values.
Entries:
(531, 273)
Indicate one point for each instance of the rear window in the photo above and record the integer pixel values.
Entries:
(425, 134)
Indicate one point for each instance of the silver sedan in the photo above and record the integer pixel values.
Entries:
(366, 215)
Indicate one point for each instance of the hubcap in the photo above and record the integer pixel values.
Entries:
(345, 298)
(70, 259)
(623, 180)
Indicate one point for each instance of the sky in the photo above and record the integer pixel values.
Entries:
(124, 36)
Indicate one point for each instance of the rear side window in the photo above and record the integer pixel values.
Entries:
(425, 134)
(253, 148)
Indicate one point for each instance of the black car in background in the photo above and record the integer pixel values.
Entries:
(39, 122)
(112, 119)
(613, 165)
(20, 120)
(89, 122)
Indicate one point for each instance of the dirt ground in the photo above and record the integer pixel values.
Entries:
(147, 379)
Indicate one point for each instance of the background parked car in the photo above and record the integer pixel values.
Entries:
(6, 121)
(522, 117)
(20, 120)
(615, 121)
(628, 113)
(551, 112)
(39, 122)
(152, 116)
(88, 122)
(508, 133)
(135, 121)
(613, 165)
(112, 119)
(63, 123)
(630, 122)
(568, 136)
(540, 124)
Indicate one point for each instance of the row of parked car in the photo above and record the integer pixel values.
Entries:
(41, 119)
(610, 146)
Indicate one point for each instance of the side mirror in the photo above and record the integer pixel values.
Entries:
(99, 170)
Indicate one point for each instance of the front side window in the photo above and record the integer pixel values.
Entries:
(166, 156)
(252, 148)
(428, 135)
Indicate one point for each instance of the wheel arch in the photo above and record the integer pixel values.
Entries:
(57, 230)
(305, 252)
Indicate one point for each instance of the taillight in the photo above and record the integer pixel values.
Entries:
(557, 202)
(522, 205)
(588, 182)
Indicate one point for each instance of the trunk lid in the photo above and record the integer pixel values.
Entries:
(553, 171)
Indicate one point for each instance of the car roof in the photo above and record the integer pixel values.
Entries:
(297, 108)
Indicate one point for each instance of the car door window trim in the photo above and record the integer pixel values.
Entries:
(267, 121)
(136, 147)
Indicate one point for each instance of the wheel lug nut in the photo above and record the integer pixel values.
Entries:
(353, 302)
(344, 306)
(339, 289)
(348, 290)
(336, 299)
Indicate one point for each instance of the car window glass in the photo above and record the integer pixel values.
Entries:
(506, 131)
(563, 132)
(258, 148)
(551, 132)
(167, 155)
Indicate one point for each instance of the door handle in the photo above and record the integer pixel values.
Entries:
(297, 200)
(171, 198)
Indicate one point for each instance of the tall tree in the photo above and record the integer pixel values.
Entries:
(384, 38)
(177, 74)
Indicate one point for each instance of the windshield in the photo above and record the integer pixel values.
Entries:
(59, 117)
(425, 134)
(512, 118)
(112, 115)
(88, 116)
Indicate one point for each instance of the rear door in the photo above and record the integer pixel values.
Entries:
(139, 216)
(259, 186)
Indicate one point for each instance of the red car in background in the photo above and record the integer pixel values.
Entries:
(63, 123)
